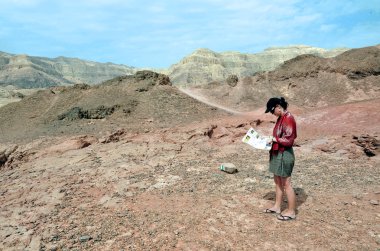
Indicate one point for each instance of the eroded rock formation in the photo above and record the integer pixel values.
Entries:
(33, 72)
(204, 65)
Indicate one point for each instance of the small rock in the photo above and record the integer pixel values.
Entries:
(372, 234)
(357, 196)
(85, 238)
(54, 238)
(98, 237)
(228, 168)
(374, 202)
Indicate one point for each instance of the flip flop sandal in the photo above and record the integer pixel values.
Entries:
(269, 211)
(285, 217)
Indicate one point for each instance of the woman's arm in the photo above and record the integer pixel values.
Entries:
(289, 131)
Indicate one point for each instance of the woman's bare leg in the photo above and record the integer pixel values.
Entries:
(279, 192)
(290, 194)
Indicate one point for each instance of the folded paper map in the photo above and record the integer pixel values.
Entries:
(253, 138)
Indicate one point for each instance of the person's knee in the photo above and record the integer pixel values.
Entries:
(277, 180)
(286, 184)
(288, 188)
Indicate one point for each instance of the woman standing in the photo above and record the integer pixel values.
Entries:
(282, 159)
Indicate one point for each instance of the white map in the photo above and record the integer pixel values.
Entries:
(253, 138)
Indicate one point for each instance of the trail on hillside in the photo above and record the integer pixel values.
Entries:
(207, 102)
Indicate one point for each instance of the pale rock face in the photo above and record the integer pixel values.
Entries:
(204, 65)
(77, 70)
(33, 72)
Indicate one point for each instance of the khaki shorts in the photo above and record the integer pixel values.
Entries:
(282, 164)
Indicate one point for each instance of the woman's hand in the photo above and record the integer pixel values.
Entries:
(270, 139)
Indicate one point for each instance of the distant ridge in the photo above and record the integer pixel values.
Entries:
(200, 67)
(26, 71)
(204, 65)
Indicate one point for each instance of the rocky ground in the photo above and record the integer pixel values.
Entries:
(132, 164)
(162, 190)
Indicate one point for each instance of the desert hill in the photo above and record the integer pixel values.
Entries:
(355, 63)
(306, 80)
(204, 65)
(25, 71)
(138, 102)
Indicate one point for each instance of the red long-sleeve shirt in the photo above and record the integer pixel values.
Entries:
(285, 132)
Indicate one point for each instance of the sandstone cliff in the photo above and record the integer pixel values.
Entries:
(204, 66)
(33, 72)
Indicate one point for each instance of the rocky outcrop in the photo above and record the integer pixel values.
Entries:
(369, 143)
(33, 72)
(204, 65)
(79, 113)
(5, 152)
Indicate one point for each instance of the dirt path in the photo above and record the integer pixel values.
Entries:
(206, 101)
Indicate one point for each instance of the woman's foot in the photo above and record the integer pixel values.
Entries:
(272, 210)
(287, 215)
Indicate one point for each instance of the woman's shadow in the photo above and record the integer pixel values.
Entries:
(301, 197)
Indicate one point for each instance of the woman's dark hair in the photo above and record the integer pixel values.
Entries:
(283, 103)
(273, 102)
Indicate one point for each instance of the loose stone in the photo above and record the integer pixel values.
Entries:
(85, 238)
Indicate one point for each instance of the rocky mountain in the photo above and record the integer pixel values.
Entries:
(204, 65)
(306, 80)
(34, 72)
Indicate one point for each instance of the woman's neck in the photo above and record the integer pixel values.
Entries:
(283, 112)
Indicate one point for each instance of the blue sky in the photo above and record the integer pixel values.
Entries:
(160, 33)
